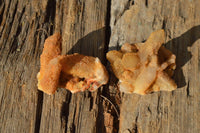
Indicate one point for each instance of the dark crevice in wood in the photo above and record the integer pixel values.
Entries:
(136, 124)
(132, 2)
(61, 14)
(149, 109)
(199, 59)
(38, 111)
(108, 30)
(2, 9)
(188, 89)
(103, 107)
(136, 129)
(65, 110)
(73, 126)
(164, 24)
(146, 3)
(91, 101)
(50, 14)
(100, 117)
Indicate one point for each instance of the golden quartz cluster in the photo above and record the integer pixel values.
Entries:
(141, 68)
(74, 72)
(144, 67)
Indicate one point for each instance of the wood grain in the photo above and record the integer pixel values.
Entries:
(24, 27)
(177, 111)
(20, 46)
(85, 26)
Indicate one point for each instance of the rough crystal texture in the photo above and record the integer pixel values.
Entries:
(144, 67)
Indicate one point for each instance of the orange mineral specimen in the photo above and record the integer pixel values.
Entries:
(144, 67)
(74, 72)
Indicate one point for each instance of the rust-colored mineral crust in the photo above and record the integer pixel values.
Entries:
(144, 67)
(74, 72)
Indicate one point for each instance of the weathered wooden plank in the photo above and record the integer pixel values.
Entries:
(24, 27)
(83, 28)
(21, 43)
(177, 111)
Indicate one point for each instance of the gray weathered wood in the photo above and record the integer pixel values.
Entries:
(177, 111)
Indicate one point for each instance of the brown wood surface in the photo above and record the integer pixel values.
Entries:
(92, 28)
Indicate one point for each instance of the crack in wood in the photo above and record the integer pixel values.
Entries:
(64, 114)
(50, 13)
(188, 89)
(135, 129)
(199, 59)
(107, 30)
(91, 101)
(146, 3)
(164, 23)
(2, 9)
(38, 111)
